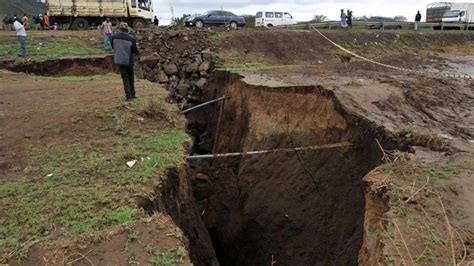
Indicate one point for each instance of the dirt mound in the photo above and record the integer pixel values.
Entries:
(294, 47)
(180, 58)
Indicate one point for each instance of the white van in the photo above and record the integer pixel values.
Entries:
(273, 18)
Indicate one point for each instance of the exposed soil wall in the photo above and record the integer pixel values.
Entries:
(302, 208)
(64, 66)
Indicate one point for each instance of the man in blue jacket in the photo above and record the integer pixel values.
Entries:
(125, 48)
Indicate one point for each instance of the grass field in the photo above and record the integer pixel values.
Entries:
(44, 45)
(76, 190)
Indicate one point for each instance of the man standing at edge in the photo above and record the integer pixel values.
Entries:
(417, 20)
(125, 47)
(343, 19)
(46, 21)
(349, 19)
(21, 35)
(107, 31)
(26, 22)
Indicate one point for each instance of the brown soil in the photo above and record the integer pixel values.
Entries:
(296, 47)
(38, 112)
(134, 244)
(41, 111)
(263, 208)
(300, 208)
(412, 217)
(437, 110)
(83, 66)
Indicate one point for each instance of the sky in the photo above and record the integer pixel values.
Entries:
(302, 10)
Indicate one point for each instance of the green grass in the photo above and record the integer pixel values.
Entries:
(74, 191)
(419, 137)
(246, 66)
(51, 50)
(78, 78)
(169, 258)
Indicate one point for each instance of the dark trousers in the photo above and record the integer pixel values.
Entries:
(128, 81)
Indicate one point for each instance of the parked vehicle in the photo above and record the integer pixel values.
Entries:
(215, 18)
(460, 13)
(380, 21)
(272, 18)
(436, 11)
(80, 15)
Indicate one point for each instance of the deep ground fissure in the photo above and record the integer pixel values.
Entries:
(296, 208)
(76, 66)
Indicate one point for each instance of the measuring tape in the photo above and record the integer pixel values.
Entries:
(424, 73)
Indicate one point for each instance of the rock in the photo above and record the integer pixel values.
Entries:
(174, 78)
(198, 59)
(205, 66)
(173, 33)
(162, 77)
(183, 89)
(201, 176)
(150, 60)
(171, 69)
(201, 83)
(192, 68)
(146, 68)
(204, 74)
(194, 99)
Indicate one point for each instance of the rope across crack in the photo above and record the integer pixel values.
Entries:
(281, 150)
(418, 72)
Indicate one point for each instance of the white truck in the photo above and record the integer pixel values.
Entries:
(81, 14)
(460, 13)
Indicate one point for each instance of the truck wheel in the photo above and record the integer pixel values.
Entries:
(80, 24)
(139, 24)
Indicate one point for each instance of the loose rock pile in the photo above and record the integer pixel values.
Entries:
(180, 58)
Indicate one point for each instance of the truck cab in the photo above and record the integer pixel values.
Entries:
(455, 16)
(141, 9)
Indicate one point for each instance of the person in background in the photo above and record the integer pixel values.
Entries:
(55, 26)
(40, 16)
(21, 35)
(125, 48)
(26, 22)
(417, 19)
(46, 21)
(349, 19)
(37, 21)
(12, 20)
(343, 19)
(6, 23)
(156, 21)
(107, 31)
